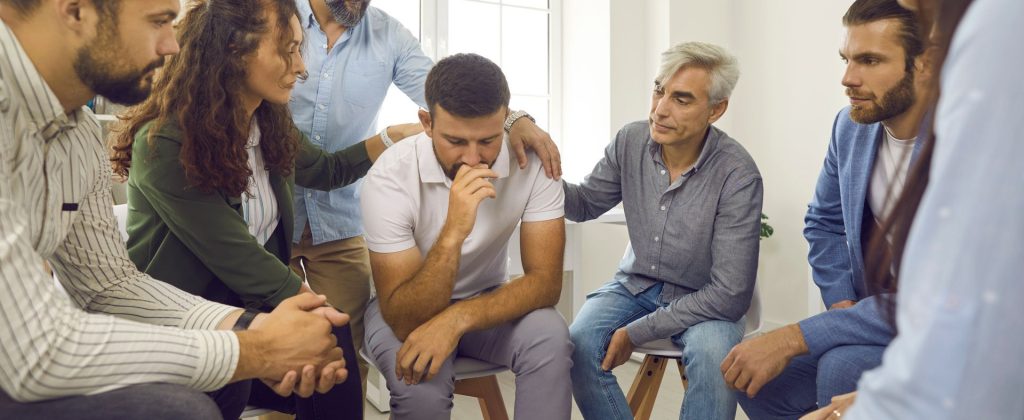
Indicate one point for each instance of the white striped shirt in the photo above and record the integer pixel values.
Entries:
(55, 204)
(259, 204)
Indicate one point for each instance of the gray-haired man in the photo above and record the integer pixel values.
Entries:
(692, 197)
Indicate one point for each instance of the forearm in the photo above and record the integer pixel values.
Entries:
(511, 301)
(863, 324)
(599, 191)
(428, 292)
(582, 205)
(79, 353)
(687, 311)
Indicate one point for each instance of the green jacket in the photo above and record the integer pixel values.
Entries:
(199, 242)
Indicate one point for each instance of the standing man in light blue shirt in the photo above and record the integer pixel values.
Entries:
(354, 53)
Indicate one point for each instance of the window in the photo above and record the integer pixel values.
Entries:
(518, 35)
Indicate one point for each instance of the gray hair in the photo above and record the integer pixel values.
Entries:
(723, 67)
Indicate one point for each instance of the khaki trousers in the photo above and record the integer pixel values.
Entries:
(341, 271)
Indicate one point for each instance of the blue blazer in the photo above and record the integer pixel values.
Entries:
(833, 224)
(833, 228)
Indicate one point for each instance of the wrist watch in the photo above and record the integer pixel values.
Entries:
(245, 320)
(515, 116)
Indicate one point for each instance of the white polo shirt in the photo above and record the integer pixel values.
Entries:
(405, 205)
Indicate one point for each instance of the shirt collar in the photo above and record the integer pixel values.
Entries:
(48, 114)
(711, 139)
(431, 171)
(306, 17)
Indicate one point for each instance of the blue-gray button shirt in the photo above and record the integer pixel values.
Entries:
(698, 235)
(337, 105)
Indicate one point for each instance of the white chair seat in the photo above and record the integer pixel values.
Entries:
(663, 347)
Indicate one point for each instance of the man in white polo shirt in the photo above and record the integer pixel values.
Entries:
(440, 210)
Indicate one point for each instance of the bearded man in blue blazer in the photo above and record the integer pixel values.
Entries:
(791, 371)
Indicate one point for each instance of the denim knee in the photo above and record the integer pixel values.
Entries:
(705, 345)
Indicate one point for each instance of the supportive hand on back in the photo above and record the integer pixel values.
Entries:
(526, 134)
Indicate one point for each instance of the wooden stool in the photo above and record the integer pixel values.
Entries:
(647, 382)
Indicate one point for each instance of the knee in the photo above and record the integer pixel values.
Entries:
(589, 340)
(839, 369)
(549, 344)
(426, 400)
(706, 354)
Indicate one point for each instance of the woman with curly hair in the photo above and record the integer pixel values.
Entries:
(213, 158)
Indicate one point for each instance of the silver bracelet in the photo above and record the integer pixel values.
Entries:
(515, 116)
(384, 138)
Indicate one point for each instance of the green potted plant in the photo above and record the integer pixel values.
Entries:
(766, 229)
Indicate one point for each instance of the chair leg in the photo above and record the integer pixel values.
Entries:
(645, 387)
(682, 373)
(487, 392)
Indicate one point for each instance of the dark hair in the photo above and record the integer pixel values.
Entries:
(107, 8)
(885, 253)
(466, 85)
(911, 36)
(199, 90)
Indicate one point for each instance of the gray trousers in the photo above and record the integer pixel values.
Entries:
(150, 402)
(536, 348)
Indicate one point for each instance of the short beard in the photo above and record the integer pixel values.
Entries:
(98, 67)
(345, 16)
(894, 102)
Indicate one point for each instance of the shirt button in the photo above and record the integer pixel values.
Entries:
(321, 107)
(663, 172)
(656, 239)
(654, 267)
(663, 208)
(325, 46)
(327, 75)
(316, 137)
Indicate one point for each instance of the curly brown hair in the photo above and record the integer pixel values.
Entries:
(199, 89)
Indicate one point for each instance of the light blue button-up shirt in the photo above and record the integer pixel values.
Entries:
(959, 310)
(337, 105)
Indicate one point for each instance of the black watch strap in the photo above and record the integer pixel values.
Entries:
(243, 321)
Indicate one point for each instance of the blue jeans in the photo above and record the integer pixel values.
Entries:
(807, 383)
(704, 346)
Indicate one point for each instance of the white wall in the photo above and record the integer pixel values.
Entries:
(782, 109)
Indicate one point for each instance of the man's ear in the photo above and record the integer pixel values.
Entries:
(923, 64)
(717, 110)
(426, 122)
(78, 16)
